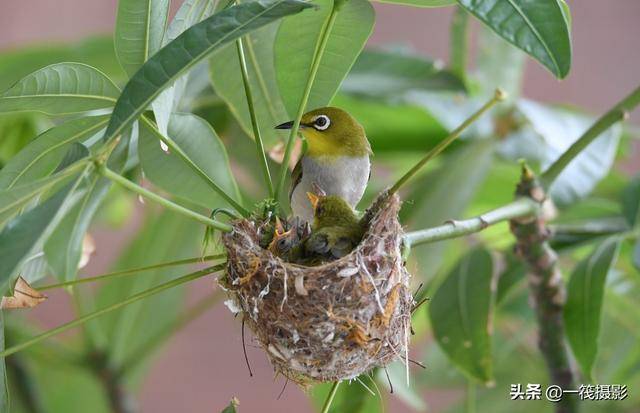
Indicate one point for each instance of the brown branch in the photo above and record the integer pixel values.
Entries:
(547, 289)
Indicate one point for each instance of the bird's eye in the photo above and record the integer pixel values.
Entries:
(319, 210)
(322, 122)
(282, 244)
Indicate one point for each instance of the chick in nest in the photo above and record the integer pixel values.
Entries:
(336, 230)
(288, 243)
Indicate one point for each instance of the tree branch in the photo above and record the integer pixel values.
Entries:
(520, 208)
(547, 289)
(614, 115)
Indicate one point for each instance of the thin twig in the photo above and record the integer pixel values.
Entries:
(386, 372)
(332, 394)
(244, 350)
(134, 298)
(257, 137)
(324, 38)
(108, 173)
(517, 209)
(131, 271)
(283, 388)
(613, 116)
(497, 97)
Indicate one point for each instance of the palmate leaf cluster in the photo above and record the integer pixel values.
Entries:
(61, 107)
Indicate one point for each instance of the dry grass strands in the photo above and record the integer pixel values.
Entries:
(329, 322)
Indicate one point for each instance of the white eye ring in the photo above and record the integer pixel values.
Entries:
(323, 124)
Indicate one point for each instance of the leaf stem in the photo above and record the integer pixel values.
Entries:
(497, 97)
(459, 42)
(185, 158)
(330, 397)
(324, 38)
(520, 208)
(613, 116)
(131, 271)
(108, 173)
(257, 137)
(136, 297)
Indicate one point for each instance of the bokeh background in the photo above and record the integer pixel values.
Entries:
(200, 368)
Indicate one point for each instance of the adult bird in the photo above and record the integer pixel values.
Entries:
(336, 160)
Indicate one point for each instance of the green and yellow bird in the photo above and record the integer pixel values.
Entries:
(336, 230)
(336, 160)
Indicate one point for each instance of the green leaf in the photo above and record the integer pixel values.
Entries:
(631, 202)
(351, 396)
(139, 29)
(296, 43)
(546, 133)
(421, 3)
(59, 89)
(432, 200)
(22, 235)
(537, 27)
(391, 73)
(231, 408)
(582, 311)
(498, 65)
(171, 237)
(190, 48)
(227, 82)
(189, 13)
(200, 142)
(460, 312)
(4, 386)
(40, 157)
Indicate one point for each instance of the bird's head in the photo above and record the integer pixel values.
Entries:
(331, 210)
(331, 131)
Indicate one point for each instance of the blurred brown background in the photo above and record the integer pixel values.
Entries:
(202, 367)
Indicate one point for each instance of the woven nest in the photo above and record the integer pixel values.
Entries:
(329, 322)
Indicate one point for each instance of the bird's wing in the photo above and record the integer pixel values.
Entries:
(296, 177)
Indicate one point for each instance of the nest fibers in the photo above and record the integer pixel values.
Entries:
(330, 322)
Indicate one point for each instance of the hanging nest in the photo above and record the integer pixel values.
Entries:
(330, 322)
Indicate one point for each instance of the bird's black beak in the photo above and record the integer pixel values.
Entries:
(286, 125)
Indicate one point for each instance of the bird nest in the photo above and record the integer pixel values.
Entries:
(328, 322)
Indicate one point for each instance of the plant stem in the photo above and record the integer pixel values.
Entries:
(324, 38)
(330, 397)
(547, 290)
(262, 157)
(458, 44)
(131, 271)
(520, 208)
(185, 158)
(136, 297)
(108, 173)
(471, 396)
(497, 97)
(139, 354)
(614, 115)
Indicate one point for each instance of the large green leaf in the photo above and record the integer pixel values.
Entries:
(171, 237)
(460, 312)
(582, 312)
(61, 88)
(538, 27)
(40, 157)
(200, 142)
(546, 133)
(421, 3)
(190, 48)
(296, 44)
(189, 13)
(351, 396)
(433, 199)
(24, 233)
(227, 81)
(390, 73)
(139, 29)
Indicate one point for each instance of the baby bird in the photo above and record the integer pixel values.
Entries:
(287, 244)
(336, 230)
